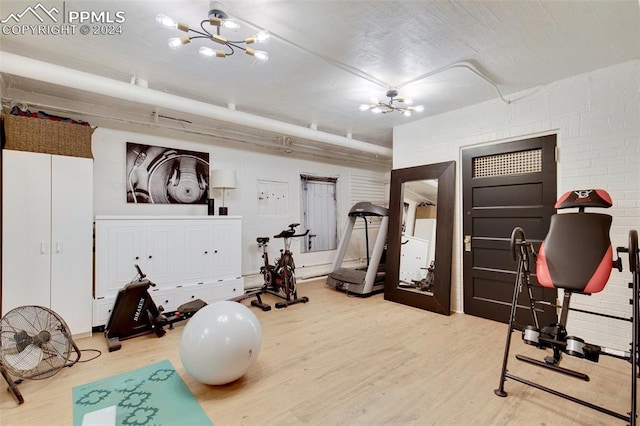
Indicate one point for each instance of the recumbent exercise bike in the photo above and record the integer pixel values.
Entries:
(134, 313)
(577, 257)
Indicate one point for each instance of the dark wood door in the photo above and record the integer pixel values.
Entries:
(505, 185)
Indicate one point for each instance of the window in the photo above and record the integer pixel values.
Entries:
(318, 204)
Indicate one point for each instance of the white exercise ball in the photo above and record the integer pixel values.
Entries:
(220, 342)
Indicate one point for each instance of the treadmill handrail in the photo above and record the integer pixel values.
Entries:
(365, 208)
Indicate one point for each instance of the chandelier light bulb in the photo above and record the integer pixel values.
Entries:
(376, 110)
(177, 42)
(407, 101)
(230, 25)
(166, 21)
(418, 108)
(407, 113)
(364, 107)
(261, 37)
(208, 52)
(260, 55)
(226, 23)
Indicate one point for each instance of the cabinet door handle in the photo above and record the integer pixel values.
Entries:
(137, 257)
(43, 247)
(59, 247)
(206, 252)
(150, 256)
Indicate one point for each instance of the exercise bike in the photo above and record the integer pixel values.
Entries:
(279, 279)
(424, 284)
(135, 313)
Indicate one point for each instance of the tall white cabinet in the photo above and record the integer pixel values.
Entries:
(187, 257)
(413, 259)
(47, 242)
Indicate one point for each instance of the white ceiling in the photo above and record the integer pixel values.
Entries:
(326, 58)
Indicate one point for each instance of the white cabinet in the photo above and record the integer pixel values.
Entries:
(413, 258)
(226, 250)
(211, 250)
(122, 244)
(158, 252)
(47, 235)
(197, 256)
(426, 230)
(187, 257)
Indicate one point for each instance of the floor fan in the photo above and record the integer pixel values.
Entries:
(35, 343)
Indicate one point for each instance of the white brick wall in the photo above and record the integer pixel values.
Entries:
(597, 119)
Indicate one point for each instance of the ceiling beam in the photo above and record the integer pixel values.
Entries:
(42, 71)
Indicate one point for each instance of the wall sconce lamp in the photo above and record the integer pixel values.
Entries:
(223, 179)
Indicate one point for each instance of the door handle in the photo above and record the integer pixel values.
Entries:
(467, 243)
(311, 236)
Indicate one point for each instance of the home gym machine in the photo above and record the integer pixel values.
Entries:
(279, 279)
(576, 256)
(370, 279)
(134, 313)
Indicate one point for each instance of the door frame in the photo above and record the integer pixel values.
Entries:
(306, 179)
(511, 142)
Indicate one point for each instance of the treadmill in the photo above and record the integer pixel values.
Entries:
(361, 280)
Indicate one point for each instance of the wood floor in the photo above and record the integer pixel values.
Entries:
(341, 360)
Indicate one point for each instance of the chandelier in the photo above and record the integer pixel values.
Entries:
(395, 103)
(218, 19)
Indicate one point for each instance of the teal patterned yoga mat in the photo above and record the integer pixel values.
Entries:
(151, 395)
